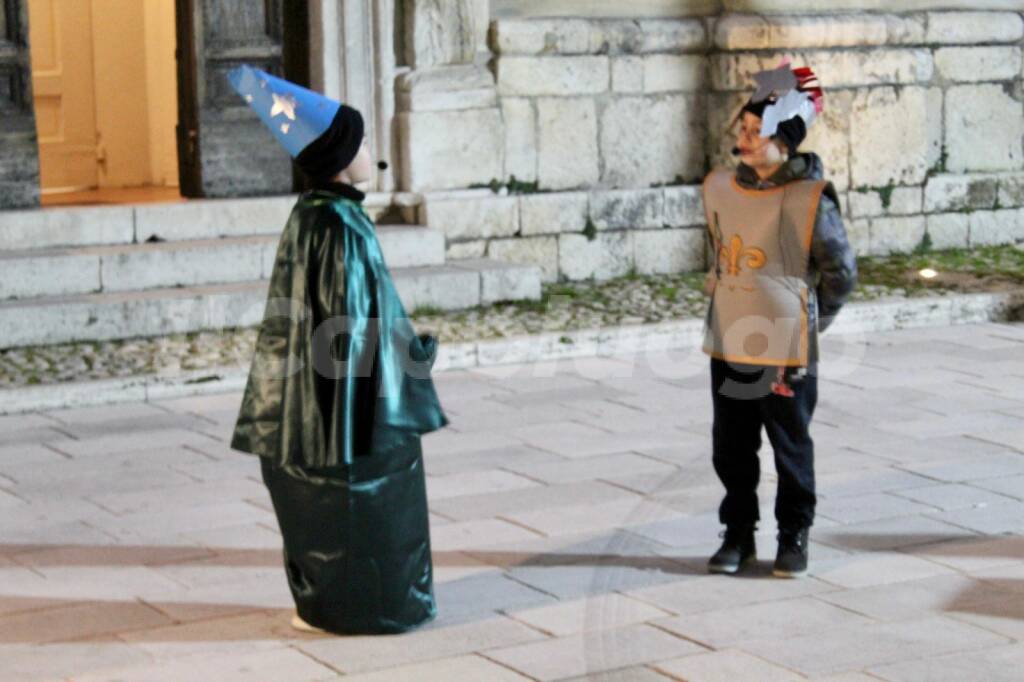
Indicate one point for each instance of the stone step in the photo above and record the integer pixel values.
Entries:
(154, 312)
(99, 269)
(186, 220)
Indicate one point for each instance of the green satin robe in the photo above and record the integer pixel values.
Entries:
(337, 398)
(338, 372)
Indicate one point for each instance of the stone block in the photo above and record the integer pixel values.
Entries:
(539, 251)
(1011, 190)
(722, 109)
(439, 33)
(669, 251)
(472, 150)
(906, 29)
(186, 264)
(990, 228)
(896, 235)
(567, 143)
(462, 250)
(836, 69)
(671, 35)
(562, 36)
(984, 129)
(627, 209)
(760, 32)
(520, 138)
(652, 140)
(608, 255)
(444, 287)
(865, 204)
(538, 76)
(407, 246)
(446, 88)
(49, 273)
(553, 213)
(628, 74)
(905, 201)
(948, 230)
(674, 73)
(205, 219)
(896, 142)
(505, 282)
(49, 227)
(858, 232)
(974, 27)
(684, 206)
(957, 192)
(472, 215)
(829, 137)
(971, 64)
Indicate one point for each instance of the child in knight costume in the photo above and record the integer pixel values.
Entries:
(340, 391)
(782, 270)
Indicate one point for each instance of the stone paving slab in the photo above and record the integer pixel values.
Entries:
(573, 508)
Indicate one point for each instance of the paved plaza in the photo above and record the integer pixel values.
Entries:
(573, 506)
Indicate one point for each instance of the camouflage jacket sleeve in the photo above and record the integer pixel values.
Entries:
(833, 260)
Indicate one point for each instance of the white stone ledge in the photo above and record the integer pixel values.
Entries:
(835, 69)
(856, 319)
(578, 36)
(974, 27)
(553, 76)
(974, 64)
(760, 32)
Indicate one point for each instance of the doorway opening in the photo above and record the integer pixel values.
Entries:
(106, 100)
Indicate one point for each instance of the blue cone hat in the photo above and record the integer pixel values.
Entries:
(322, 135)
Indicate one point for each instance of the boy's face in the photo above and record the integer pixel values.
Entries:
(756, 151)
(361, 168)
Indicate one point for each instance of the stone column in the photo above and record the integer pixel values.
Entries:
(352, 60)
(449, 126)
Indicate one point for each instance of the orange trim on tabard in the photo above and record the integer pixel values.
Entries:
(755, 192)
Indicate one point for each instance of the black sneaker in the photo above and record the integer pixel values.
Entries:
(791, 560)
(737, 550)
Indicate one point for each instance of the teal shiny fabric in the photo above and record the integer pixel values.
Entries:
(339, 372)
(337, 399)
(357, 542)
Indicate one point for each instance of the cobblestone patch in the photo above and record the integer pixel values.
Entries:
(624, 301)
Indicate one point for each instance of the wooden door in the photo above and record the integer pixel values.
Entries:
(224, 149)
(19, 161)
(63, 88)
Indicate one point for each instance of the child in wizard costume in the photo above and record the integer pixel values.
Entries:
(339, 392)
(782, 270)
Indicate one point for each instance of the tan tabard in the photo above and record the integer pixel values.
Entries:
(761, 240)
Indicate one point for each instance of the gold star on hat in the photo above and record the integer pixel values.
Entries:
(283, 105)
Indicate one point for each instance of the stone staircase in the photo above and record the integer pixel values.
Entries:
(96, 273)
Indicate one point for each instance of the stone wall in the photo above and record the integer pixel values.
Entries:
(924, 124)
(602, 128)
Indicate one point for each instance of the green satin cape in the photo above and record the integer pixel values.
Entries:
(338, 372)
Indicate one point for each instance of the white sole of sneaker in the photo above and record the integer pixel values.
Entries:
(788, 574)
(729, 570)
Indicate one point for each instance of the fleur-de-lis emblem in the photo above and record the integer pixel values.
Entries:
(734, 252)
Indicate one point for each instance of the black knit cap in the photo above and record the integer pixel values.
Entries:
(791, 133)
(334, 150)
